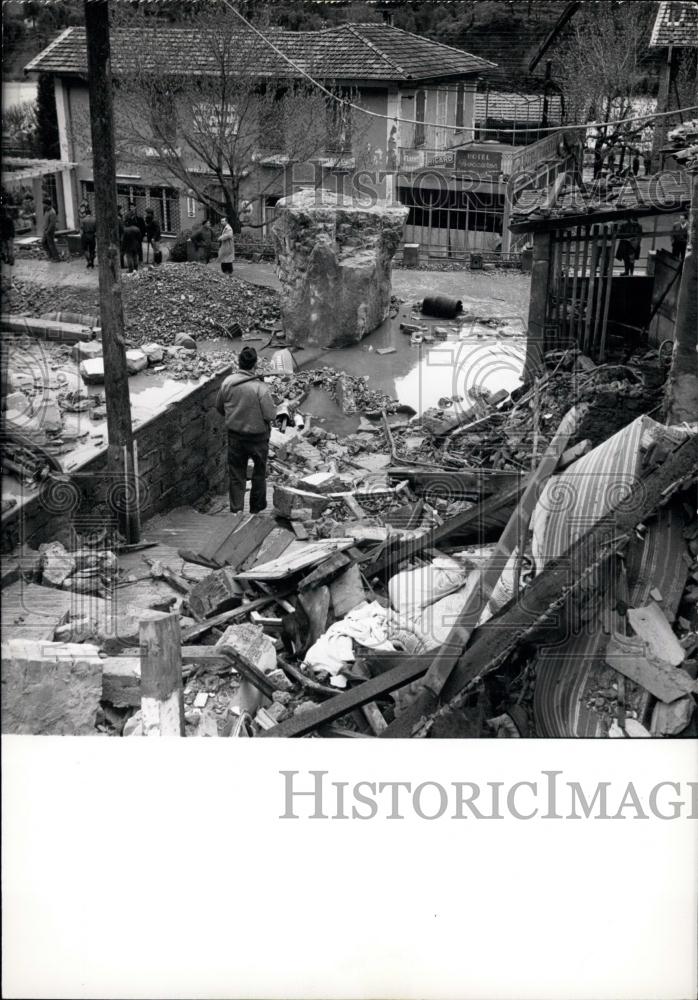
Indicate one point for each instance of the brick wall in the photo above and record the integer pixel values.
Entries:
(181, 457)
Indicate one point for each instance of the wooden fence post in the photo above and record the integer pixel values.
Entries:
(162, 694)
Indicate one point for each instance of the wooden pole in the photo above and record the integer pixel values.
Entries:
(162, 694)
(120, 451)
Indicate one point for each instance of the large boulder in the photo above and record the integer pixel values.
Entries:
(334, 262)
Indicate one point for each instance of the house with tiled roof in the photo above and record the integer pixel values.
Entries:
(392, 73)
(416, 112)
(675, 38)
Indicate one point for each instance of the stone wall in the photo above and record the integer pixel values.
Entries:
(334, 263)
(181, 456)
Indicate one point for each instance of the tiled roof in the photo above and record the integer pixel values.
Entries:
(348, 52)
(676, 24)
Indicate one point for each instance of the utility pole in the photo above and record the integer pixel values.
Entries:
(120, 450)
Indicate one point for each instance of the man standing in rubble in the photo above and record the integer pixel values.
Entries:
(249, 409)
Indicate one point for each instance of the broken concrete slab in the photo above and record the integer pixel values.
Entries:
(651, 625)
(287, 500)
(632, 658)
(671, 720)
(85, 350)
(50, 689)
(92, 371)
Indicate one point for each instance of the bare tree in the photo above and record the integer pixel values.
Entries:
(209, 104)
(601, 71)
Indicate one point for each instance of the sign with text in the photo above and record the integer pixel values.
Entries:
(478, 161)
(442, 158)
(412, 159)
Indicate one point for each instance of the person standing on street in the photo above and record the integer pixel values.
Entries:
(629, 243)
(247, 405)
(679, 237)
(8, 237)
(88, 237)
(134, 219)
(226, 252)
(130, 243)
(49, 234)
(152, 235)
(201, 240)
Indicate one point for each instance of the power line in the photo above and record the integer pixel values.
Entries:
(457, 128)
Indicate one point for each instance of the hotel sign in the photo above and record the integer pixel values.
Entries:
(478, 161)
(412, 159)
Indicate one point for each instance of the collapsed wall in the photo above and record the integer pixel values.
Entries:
(334, 261)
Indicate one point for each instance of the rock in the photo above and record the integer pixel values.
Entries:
(185, 340)
(84, 350)
(21, 381)
(50, 688)
(372, 463)
(56, 564)
(153, 352)
(136, 361)
(18, 402)
(334, 262)
(92, 371)
(280, 681)
(251, 642)
(305, 706)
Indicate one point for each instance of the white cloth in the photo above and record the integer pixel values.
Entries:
(412, 590)
(334, 650)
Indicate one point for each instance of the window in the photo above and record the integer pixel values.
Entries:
(212, 118)
(420, 103)
(163, 201)
(460, 106)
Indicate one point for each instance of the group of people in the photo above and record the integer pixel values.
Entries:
(202, 240)
(134, 231)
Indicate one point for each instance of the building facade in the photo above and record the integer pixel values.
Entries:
(411, 135)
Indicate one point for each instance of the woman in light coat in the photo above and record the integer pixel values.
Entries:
(226, 251)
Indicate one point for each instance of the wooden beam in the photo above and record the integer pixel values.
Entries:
(120, 430)
(162, 695)
(528, 618)
(408, 670)
(476, 517)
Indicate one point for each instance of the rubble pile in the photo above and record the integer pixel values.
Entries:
(162, 302)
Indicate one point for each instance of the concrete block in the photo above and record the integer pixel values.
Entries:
(136, 361)
(50, 688)
(56, 564)
(92, 371)
(287, 500)
(86, 349)
(153, 352)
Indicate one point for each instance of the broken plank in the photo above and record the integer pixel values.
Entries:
(631, 658)
(220, 535)
(248, 670)
(245, 541)
(482, 482)
(473, 522)
(196, 631)
(288, 564)
(273, 546)
(162, 695)
(408, 670)
(326, 571)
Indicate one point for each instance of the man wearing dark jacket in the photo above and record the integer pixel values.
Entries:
(130, 244)
(249, 409)
(152, 235)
